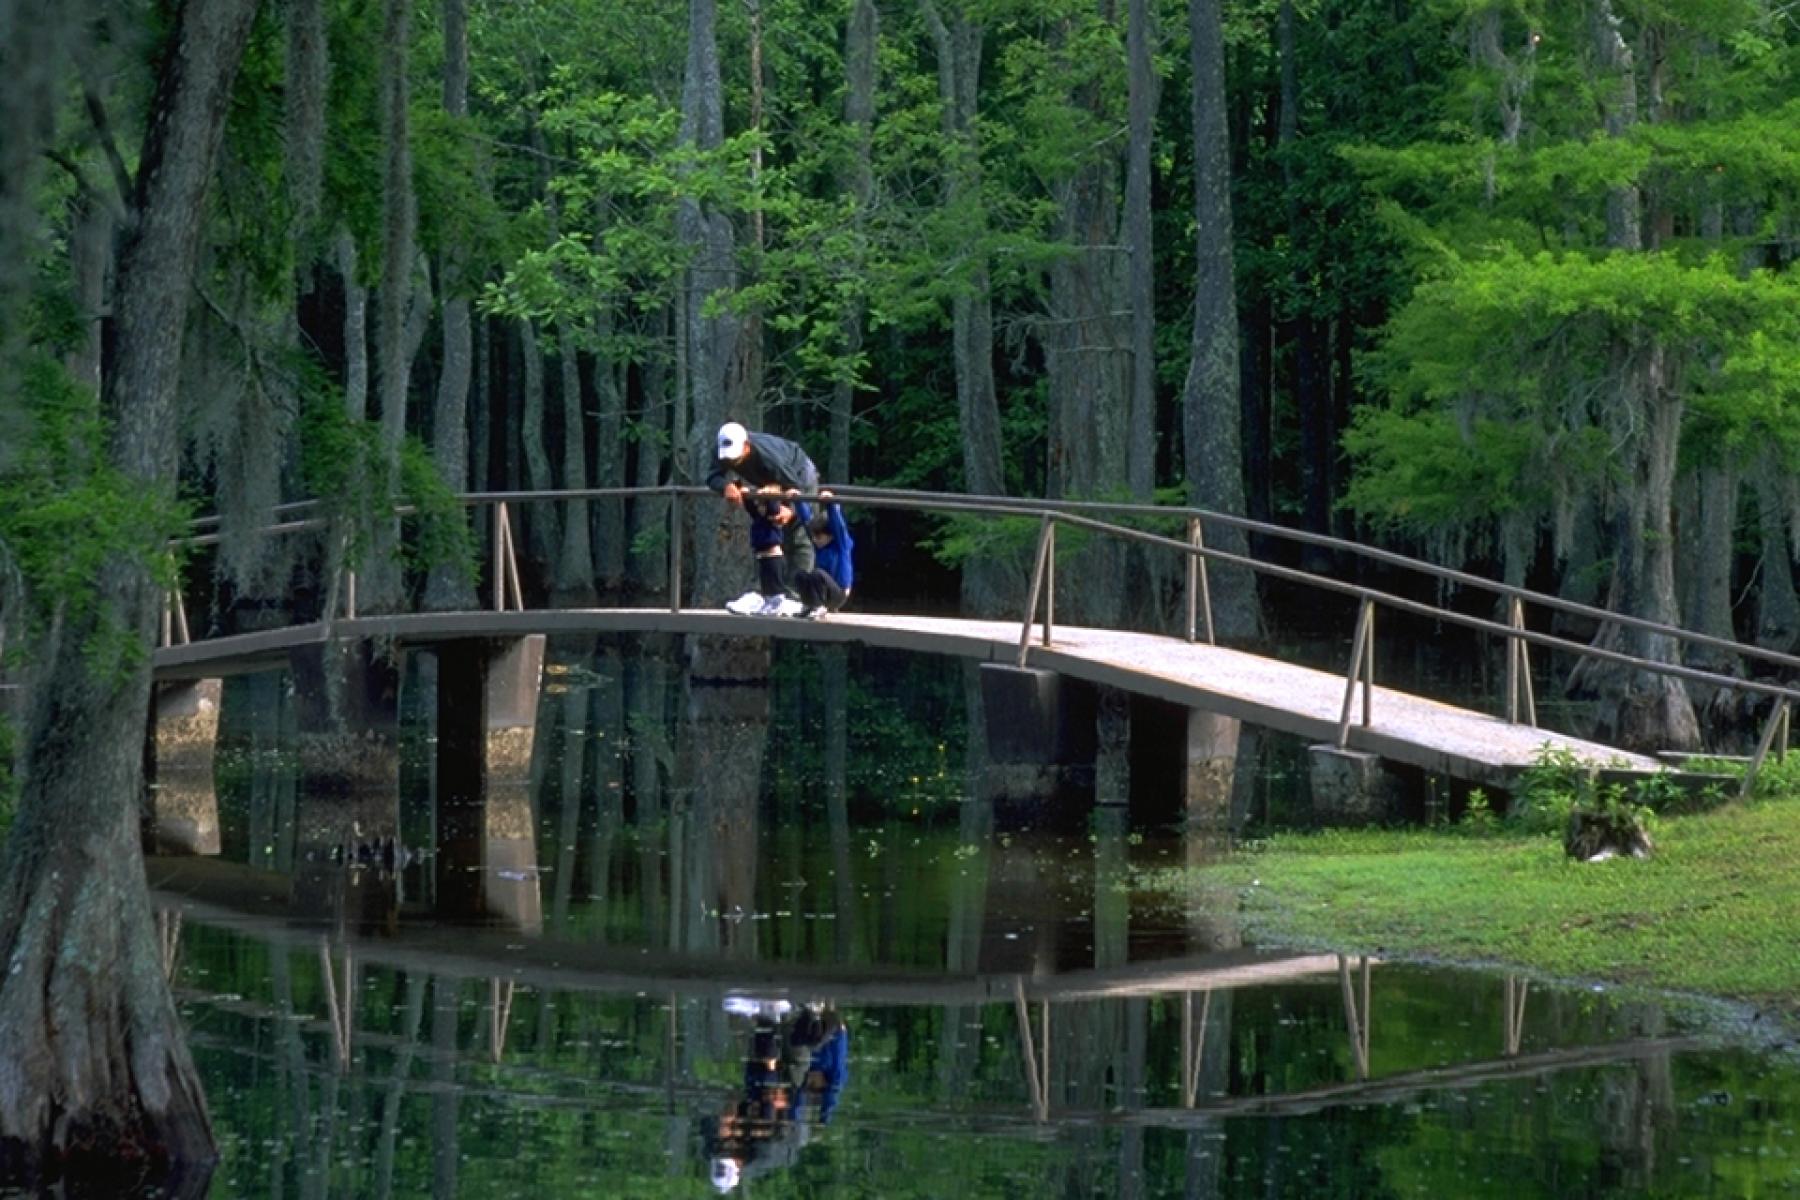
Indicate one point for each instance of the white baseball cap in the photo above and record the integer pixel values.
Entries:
(733, 440)
(726, 1173)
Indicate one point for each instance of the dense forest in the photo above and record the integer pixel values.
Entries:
(1499, 281)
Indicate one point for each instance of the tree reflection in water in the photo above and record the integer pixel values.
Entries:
(1025, 1019)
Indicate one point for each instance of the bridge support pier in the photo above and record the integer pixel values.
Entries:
(181, 809)
(486, 861)
(1040, 743)
(1184, 761)
(347, 709)
(1351, 787)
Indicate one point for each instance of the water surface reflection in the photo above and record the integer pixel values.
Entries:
(602, 976)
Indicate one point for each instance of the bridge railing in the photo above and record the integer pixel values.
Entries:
(1039, 610)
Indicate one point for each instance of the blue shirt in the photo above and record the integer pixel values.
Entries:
(833, 558)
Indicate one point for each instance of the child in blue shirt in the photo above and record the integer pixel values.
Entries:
(826, 587)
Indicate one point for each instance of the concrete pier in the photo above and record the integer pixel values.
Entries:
(347, 705)
(1351, 787)
(487, 860)
(181, 811)
(1040, 743)
(1185, 761)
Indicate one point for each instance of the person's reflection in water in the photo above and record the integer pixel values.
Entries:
(795, 1062)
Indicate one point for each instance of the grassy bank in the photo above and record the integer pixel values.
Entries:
(1716, 910)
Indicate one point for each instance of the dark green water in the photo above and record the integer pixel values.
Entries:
(683, 849)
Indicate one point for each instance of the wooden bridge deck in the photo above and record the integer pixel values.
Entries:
(1405, 728)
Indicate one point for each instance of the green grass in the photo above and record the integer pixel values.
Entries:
(1716, 910)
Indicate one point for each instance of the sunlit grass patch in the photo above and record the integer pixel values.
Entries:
(1713, 911)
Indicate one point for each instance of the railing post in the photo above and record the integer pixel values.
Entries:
(167, 632)
(1362, 645)
(1049, 581)
(674, 550)
(1518, 671)
(1045, 544)
(1369, 669)
(499, 556)
(1199, 589)
(181, 621)
(349, 595)
(1777, 723)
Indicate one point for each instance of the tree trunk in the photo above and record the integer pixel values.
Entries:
(575, 564)
(1777, 606)
(306, 87)
(720, 560)
(860, 39)
(986, 587)
(1210, 402)
(609, 465)
(448, 587)
(1637, 709)
(356, 330)
(94, 1075)
(1141, 122)
(1708, 542)
(383, 583)
(655, 441)
(1255, 366)
(540, 519)
(1087, 365)
(398, 220)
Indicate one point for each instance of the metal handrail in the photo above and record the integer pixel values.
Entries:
(1198, 554)
(1026, 507)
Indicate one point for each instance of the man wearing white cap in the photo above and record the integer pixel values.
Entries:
(748, 462)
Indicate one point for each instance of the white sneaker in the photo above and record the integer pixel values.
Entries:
(781, 606)
(746, 604)
(815, 613)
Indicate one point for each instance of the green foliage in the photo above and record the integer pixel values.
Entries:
(343, 463)
(68, 519)
(1478, 817)
(1559, 784)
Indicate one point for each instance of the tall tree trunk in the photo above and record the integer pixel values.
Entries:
(383, 585)
(93, 1068)
(744, 384)
(609, 464)
(1210, 402)
(447, 587)
(1087, 363)
(356, 330)
(1637, 709)
(575, 564)
(1708, 542)
(1143, 88)
(860, 39)
(1777, 606)
(305, 92)
(540, 520)
(1255, 367)
(650, 518)
(1301, 329)
(720, 562)
(986, 586)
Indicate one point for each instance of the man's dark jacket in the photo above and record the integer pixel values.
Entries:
(771, 460)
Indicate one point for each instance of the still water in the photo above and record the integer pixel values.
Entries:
(760, 940)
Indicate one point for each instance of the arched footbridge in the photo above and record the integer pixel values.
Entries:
(1345, 708)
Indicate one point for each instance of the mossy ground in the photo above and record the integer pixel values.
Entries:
(1716, 910)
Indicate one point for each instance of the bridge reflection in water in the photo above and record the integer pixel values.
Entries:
(557, 929)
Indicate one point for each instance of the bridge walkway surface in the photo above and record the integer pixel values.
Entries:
(1404, 728)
